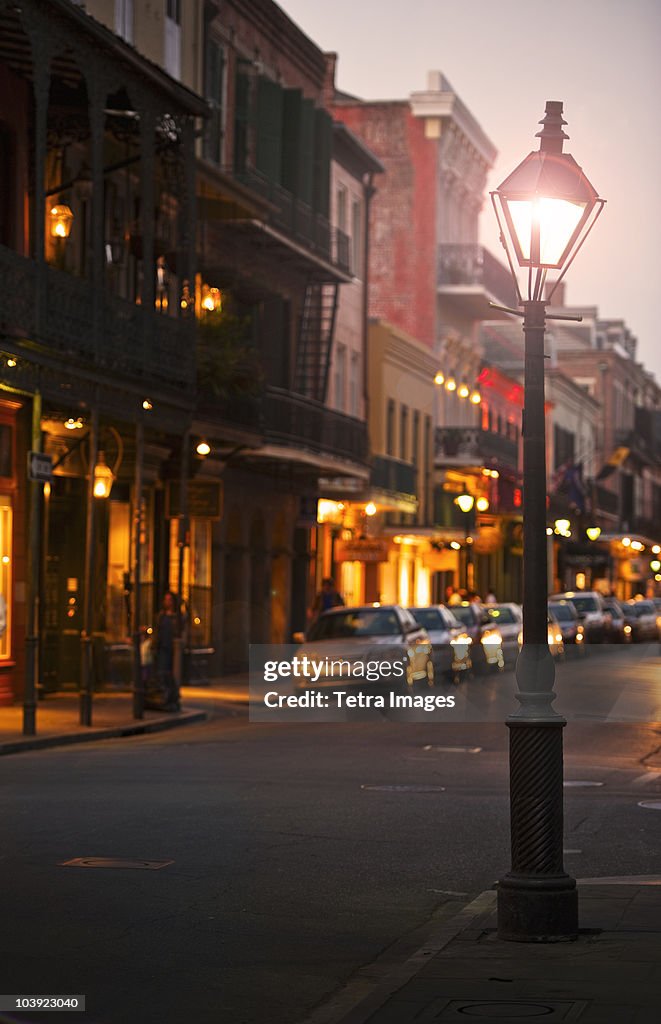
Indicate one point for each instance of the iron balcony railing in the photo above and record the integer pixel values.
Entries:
(305, 423)
(468, 264)
(456, 446)
(132, 341)
(390, 474)
(291, 215)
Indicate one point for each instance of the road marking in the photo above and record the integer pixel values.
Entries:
(644, 780)
(566, 852)
(575, 783)
(651, 805)
(405, 789)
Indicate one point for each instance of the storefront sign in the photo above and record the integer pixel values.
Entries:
(205, 499)
(40, 466)
(362, 550)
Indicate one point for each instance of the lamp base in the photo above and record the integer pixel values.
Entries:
(537, 909)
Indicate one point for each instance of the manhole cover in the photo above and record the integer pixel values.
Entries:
(652, 805)
(576, 783)
(507, 1010)
(114, 862)
(406, 789)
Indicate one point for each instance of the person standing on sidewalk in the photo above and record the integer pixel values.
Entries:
(168, 629)
(328, 597)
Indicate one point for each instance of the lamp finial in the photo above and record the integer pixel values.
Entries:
(551, 136)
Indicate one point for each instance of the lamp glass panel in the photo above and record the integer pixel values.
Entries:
(556, 220)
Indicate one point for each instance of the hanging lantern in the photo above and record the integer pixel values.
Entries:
(61, 219)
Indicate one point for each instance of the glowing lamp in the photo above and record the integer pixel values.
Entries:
(626, 542)
(562, 526)
(475, 397)
(370, 509)
(450, 384)
(546, 206)
(463, 391)
(439, 379)
(455, 545)
(465, 502)
(593, 532)
(211, 299)
(61, 219)
(482, 504)
(103, 478)
(203, 448)
(655, 565)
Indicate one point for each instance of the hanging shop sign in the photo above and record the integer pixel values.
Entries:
(366, 549)
(205, 499)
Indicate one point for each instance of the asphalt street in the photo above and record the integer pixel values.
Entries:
(294, 856)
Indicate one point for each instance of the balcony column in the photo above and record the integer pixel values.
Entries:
(147, 169)
(41, 59)
(86, 663)
(96, 92)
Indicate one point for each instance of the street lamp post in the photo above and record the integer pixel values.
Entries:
(545, 210)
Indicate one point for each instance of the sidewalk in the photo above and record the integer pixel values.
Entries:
(58, 721)
(610, 975)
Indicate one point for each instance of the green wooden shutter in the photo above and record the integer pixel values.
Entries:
(291, 139)
(213, 89)
(306, 152)
(268, 157)
(241, 121)
(323, 145)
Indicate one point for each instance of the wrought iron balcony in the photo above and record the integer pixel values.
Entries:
(134, 342)
(466, 270)
(389, 474)
(472, 446)
(292, 420)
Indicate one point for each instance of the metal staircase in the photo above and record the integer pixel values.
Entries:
(315, 340)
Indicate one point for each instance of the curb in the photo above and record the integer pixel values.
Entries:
(354, 1005)
(114, 732)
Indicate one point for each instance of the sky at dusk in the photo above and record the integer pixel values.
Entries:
(505, 59)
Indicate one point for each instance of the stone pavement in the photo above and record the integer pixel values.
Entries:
(58, 723)
(610, 975)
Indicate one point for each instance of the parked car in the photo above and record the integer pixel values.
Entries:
(507, 619)
(642, 617)
(570, 626)
(619, 627)
(486, 640)
(590, 607)
(348, 640)
(553, 637)
(451, 644)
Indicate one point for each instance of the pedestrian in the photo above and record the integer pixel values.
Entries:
(328, 597)
(168, 629)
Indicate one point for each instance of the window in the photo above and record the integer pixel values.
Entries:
(173, 38)
(390, 427)
(340, 377)
(196, 578)
(356, 238)
(403, 432)
(415, 439)
(5, 575)
(354, 385)
(124, 19)
(342, 208)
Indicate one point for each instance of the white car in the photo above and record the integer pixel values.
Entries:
(508, 620)
(370, 646)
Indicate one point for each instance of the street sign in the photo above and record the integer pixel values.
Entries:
(40, 467)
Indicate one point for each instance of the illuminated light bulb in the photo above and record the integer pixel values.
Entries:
(626, 542)
(370, 509)
(450, 384)
(439, 379)
(465, 502)
(463, 391)
(593, 532)
(147, 405)
(482, 504)
(455, 545)
(11, 361)
(203, 448)
(475, 397)
(549, 531)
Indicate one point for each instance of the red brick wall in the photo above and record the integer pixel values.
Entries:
(403, 216)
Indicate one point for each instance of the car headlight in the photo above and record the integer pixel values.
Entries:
(492, 636)
(519, 638)
(461, 640)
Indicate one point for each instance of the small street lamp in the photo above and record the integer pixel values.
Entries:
(545, 209)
